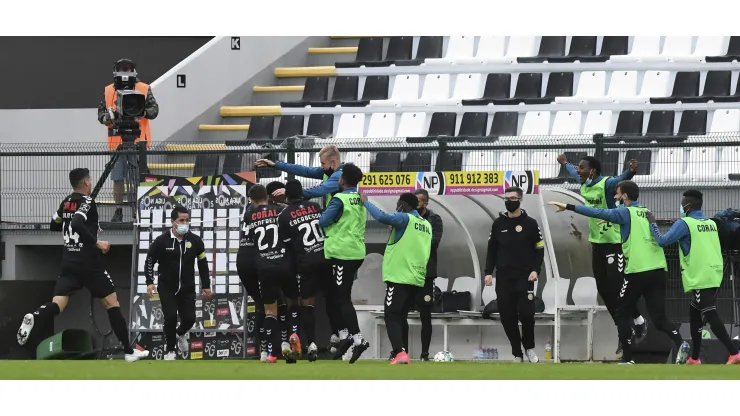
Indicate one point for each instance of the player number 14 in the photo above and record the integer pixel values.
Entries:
(68, 234)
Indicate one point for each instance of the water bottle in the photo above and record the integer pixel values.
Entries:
(548, 351)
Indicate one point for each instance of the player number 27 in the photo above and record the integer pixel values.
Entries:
(68, 234)
(261, 231)
(311, 228)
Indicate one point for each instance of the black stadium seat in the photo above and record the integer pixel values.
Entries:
(316, 90)
(369, 50)
(574, 158)
(290, 125)
(429, 47)
(629, 123)
(386, 162)
(473, 125)
(717, 84)
(345, 90)
(661, 123)
(611, 45)
(449, 161)
(442, 124)
(321, 125)
(529, 85)
(417, 162)
(685, 88)
(733, 52)
(559, 84)
(261, 129)
(693, 122)
(498, 86)
(730, 99)
(399, 49)
(206, 164)
(550, 46)
(580, 47)
(505, 123)
(376, 88)
(643, 160)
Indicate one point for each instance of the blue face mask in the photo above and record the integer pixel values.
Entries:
(183, 229)
(589, 180)
(683, 211)
(619, 203)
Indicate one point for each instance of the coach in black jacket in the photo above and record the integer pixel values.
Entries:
(426, 296)
(176, 251)
(516, 250)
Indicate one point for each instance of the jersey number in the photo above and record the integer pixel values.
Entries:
(262, 231)
(68, 234)
(312, 233)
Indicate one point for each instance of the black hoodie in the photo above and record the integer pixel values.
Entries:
(436, 222)
(515, 247)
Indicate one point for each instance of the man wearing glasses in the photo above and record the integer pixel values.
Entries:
(516, 251)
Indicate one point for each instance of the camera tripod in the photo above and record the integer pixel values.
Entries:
(125, 148)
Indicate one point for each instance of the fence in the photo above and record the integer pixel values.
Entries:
(33, 177)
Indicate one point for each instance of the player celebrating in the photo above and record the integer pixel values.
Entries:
(404, 267)
(246, 267)
(299, 222)
(607, 258)
(274, 271)
(645, 270)
(344, 222)
(82, 264)
(702, 268)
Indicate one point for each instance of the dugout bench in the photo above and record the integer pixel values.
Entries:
(565, 315)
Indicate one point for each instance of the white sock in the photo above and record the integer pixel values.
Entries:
(343, 334)
(639, 320)
(357, 338)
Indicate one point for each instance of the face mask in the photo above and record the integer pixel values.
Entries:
(512, 206)
(328, 172)
(589, 181)
(399, 208)
(683, 211)
(182, 229)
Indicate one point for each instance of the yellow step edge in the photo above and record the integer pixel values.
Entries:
(161, 166)
(332, 50)
(250, 110)
(306, 71)
(194, 147)
(223, 127)
(279, 88)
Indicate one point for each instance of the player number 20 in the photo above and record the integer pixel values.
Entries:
(68, 234)
(312, 233)
(261, 231)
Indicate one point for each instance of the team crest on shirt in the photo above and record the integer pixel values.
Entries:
(530, 296)
(188, 244)
(518, 228)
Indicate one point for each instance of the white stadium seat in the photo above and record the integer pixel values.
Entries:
(459, 47)
(669, 165)
(729, 162)
(536, 123)
(467, 86)
(702, 164)
(705, 46)
(382, 125)
(623, 86)
(546, 162)
(412, 125)
(351, 126)
(673, 46)
(725, 121)
(436, 87)
(654, 84)
(519, 46)
(514, 159)
(478, 158)
(405, 88)
(566, 123)
(598, 121)
(591, 85)
(489, 47)
(642, 46)
(360, 159)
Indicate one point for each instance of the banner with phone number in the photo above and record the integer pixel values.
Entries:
(449, 183)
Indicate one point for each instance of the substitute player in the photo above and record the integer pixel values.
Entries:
(176, 252)
(404, 267)
(274, 272)
(645, 270)
(82, 264)
(702, 269)
(299, 223)
(607, 259)
(344, 223)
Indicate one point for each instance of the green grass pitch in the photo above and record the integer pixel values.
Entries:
(363, 370)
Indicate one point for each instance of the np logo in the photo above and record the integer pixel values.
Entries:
(522, 179)
(433, 182)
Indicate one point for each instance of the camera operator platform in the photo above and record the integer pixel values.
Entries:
(126, 109)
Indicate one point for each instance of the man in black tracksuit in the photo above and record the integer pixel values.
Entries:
(516, 251)
(176, 251)
(426, 295)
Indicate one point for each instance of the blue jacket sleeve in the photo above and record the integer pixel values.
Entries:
(679, 230)
(610, 187)
(572, 171)
(300, 170)
(332, 213)
(327, 187)
(617, 216)
(397, 220)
